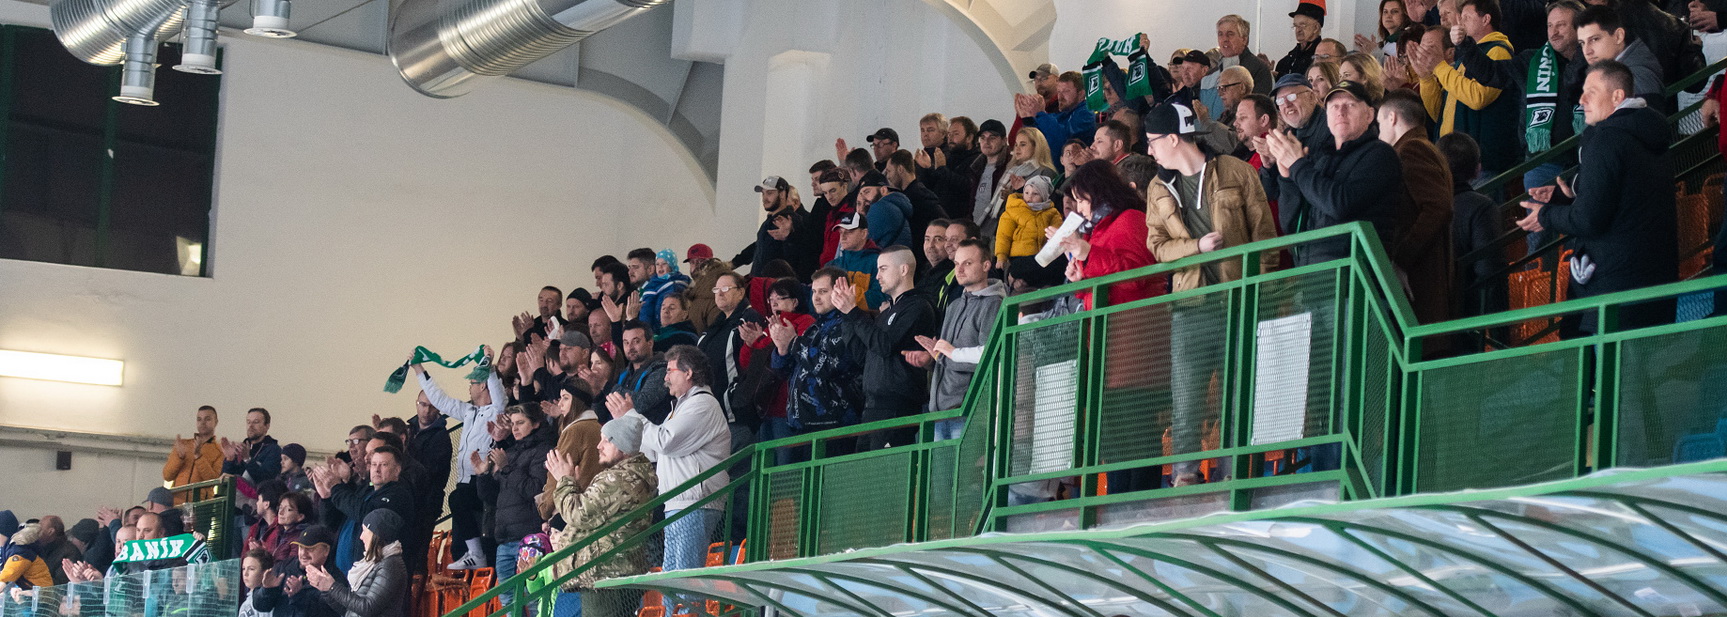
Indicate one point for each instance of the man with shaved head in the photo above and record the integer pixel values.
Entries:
(893, 384)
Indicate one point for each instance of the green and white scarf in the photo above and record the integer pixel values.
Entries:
(1541, 100)
(1138, 70)
(482, 366)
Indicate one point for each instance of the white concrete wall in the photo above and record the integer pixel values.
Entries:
(354, 220)
(1174, 24)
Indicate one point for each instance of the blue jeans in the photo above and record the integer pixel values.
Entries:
(504, 565)
(777, 428)
(686, 544)
(952, 428)
(569, 605)
(1540, 176)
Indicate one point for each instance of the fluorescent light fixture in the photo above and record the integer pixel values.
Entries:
(56, 367)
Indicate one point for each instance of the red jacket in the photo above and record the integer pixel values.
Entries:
(774, 405)
(1117, 245)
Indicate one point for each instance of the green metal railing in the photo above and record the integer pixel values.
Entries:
(1701, 160)
(1078, 397)
(211, 506)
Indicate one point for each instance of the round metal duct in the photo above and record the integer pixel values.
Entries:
(95, 31)
(443, 47)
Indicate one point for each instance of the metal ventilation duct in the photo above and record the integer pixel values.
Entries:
(96, 31)
(443, 47)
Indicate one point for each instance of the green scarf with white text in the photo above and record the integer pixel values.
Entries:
(1138, 70)
(482, 366)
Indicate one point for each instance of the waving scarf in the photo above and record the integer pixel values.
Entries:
(482, 366)
(1138, 70)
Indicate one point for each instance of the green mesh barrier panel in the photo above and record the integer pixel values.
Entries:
(1375, 400)
(941, 492)
(1316, 294)
(864, 502)
(1498, 423)
(199, 590)
(1164, 378)
(972, 464)
(785, 498)
(1673, 399)
(1046, 397)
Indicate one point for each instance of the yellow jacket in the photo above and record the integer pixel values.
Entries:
(1450, 86)
(1020, 232)
(203, 464)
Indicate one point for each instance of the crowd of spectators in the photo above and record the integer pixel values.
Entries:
(875, 301)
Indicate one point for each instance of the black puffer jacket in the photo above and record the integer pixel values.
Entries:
(513, 487)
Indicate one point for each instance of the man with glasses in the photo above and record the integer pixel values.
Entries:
(691, 440)
(485, 401)
(1297, 105)
(1306, 20)
(728, 356)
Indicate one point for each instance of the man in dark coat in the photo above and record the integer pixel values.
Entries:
(893, 387)
(1352, 177)
(1621, 216)
(1423, 245)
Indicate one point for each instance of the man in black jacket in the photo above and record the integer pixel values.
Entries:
(893, 387)
(1621, 217)
(925, 205)
(428, 443)
(257, 459)
(384, 466)
(951, 171)
(1352, 177)
(286, 593)
(723, 345)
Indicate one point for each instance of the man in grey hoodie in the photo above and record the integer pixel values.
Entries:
(964, 332)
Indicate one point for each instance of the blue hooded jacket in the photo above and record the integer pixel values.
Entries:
(890, 221)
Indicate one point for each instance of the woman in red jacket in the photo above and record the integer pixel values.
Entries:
(1113, 237)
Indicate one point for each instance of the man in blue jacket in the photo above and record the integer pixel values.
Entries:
(888, 212)
(1074, 120)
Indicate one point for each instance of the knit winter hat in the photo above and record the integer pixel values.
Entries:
(296, 453)
(671, 258)
(8, 523)
(85, 531)
(386, 526)
(625, 433)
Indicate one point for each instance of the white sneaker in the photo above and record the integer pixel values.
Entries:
(470, 561)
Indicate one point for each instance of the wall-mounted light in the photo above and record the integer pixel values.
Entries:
(56, 367)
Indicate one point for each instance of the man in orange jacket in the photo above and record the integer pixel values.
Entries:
(195, 460)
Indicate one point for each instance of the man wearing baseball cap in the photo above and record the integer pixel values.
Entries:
(784, 232)
(1353, 177)
(882, 144)
(704, 272)
(857, 256)
(1043, 79)
(314, 546)
(1200, 202)
(988, 167)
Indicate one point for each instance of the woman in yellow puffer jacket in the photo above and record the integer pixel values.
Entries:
(1020, 233)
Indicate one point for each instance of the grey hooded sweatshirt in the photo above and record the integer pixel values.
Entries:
(966, 326)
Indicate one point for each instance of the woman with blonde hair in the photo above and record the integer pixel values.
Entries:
(1364, 69)
(1030, 156)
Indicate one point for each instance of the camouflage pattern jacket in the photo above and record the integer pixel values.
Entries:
(614, 492)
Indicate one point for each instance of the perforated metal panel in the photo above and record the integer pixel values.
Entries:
(1673, 399)
(785, 496)
(1046, 397)
(864, 502)
(1316, 294)
(1498, 423)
